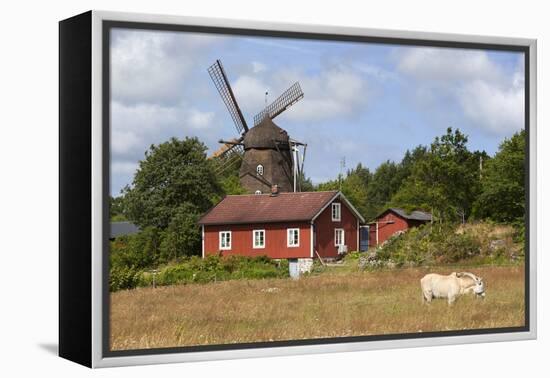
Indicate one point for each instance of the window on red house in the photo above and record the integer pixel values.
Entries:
(225, 240)
(293, 237)
(336, 212)
(258, 239)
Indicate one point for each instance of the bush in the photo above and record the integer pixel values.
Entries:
(458, 247)
(122, 278)
(216, 268)
(197, 270)
(353, 255)
(429, 244)
(519, 237)
(140, 250)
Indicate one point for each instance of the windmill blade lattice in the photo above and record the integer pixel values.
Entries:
(289, 97)
(218, 76)
(231, 157)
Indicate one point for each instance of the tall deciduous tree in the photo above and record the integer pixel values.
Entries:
(388, 178)
(385, 182)
(172, 174)
(182, 237)
(503, 182)
(353, 186)
(445, 181)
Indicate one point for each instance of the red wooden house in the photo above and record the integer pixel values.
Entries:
(394, 220)
(282, 225)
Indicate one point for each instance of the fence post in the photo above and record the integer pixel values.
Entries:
(154, 271)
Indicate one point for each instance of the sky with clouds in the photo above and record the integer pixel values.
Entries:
(366, 102)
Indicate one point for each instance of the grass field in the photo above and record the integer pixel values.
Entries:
(332, 304)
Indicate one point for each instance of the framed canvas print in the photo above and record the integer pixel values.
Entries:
(234, 189)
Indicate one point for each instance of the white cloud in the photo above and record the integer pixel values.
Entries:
(153, 66)
(198, 119)
(336, 91)
(124, 141)
(250, 93)
(154, 118)
(499, 110)
(124, 167)
(376, 72)
(258, 67)
(444, 65)
(136, 127)
(142, 117)
(489, 97)
(281, 43)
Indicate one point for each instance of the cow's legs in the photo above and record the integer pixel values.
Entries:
(427, 296)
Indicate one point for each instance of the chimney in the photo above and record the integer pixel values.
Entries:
(274, 190)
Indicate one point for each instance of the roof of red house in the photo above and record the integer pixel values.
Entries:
(413, 215)
(265, 208)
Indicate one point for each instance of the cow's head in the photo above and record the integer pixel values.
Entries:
(479, 284)
(479, 287)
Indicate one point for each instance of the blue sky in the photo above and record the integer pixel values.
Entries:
(366, 102)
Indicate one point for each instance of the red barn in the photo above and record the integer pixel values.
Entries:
(281, 225)
(394, 220)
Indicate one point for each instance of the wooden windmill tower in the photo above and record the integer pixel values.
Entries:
(268, 156)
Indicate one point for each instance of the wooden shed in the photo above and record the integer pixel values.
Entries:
(282, 225)
(392, 221)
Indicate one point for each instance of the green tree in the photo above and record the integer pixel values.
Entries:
(172, 174)
(353, 186)
(228, 174)
(136, 251)
(362, 173)
(182, 237)
(407, 163)
(328, 185)
(388, 178)
(116, 209)
(385, 182)
(502, 197)
(231, 184)
(305, 183)
(444, 181)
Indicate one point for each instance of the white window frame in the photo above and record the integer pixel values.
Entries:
(260, 169)
(336, 205)
(227, 247)
(288, 239)
(254, 239)
(343, 238)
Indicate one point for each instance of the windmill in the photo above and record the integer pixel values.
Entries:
(267, 155)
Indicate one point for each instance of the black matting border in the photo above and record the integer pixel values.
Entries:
(108, 25)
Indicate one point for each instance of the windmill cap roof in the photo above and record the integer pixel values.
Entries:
(265, 135)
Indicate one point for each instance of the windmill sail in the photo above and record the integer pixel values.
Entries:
(218, 76)
(228, 156)
(289, 97)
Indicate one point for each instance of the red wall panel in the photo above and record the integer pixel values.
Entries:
(324, 231)
(386, 229)
(275, 240)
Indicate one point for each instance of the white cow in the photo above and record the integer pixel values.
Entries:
(450, 287)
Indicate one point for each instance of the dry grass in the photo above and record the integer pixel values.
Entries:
(328, 305)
